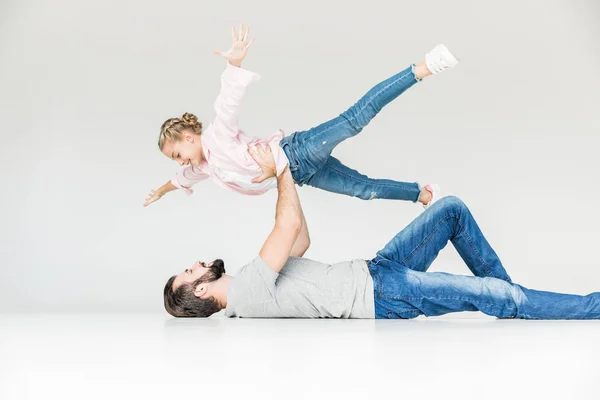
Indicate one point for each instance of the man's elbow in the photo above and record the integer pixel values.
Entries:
(291, 223)
(305, 248)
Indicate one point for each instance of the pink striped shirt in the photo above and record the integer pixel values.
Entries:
(225, 145)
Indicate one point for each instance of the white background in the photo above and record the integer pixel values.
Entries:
(513, 130)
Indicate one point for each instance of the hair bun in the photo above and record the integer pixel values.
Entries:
(189, 119)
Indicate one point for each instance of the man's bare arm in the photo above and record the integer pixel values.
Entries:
(288, 223)
(290, 234)
(303, 242)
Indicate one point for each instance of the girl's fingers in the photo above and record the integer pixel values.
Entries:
(251, 41)
(246, 34)
(241, 33)
(232, 34)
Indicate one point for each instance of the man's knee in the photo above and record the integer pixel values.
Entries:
(452, 203)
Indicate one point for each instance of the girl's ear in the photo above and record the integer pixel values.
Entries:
(188, 136)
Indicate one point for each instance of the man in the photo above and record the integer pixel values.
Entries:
(279, 282)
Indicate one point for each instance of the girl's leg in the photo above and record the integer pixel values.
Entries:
(403, 293)
(337, 178)
(449, 219)
(313, 147)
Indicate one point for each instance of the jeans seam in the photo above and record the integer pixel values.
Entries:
(481, 260)
(410, 310)
(293, 163)
(366, 104)
(403, 298)
(425, 241)
(363, 181)
(473, 248)
(377, 284)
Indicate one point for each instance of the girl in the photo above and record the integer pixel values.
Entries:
(220, 150)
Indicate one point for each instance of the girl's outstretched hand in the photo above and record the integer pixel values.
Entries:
(264, 158)
(152, 197)
(239, 47)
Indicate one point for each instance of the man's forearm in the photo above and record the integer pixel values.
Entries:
(302, 241)
(288, 208)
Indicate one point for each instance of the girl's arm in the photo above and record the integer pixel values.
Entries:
(184, 179)
(234, 81)
(160, 192)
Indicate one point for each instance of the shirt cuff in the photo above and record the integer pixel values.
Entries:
(187, 191)
(240, 74)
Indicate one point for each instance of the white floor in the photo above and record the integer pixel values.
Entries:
(151, 356)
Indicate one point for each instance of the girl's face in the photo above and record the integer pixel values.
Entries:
(187, 151)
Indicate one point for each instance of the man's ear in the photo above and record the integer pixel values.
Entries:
(201, 291)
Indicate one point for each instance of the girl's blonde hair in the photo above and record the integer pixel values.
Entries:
(173, 128)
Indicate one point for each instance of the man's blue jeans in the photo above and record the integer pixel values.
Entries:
(403, 288)
(309, 152)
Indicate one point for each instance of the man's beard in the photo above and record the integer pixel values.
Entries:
(215, 271)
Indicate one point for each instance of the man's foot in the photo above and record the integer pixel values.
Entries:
(430, 194)
(440, 59)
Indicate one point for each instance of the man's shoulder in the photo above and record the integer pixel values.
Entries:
(259, 267)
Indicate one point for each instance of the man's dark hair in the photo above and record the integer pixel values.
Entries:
(182, 302)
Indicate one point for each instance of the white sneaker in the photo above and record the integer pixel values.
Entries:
(440, 59)
(436, 193)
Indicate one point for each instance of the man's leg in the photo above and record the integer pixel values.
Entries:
(403, 293)
(449, 219)
(337, 178)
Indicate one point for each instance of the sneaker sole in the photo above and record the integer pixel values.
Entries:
(449, 58)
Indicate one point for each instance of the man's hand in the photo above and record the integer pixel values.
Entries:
(239, 47)
(264, 158)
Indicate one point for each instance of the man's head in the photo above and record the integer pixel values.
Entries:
(189, 293)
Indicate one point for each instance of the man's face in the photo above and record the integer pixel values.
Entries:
(198, 270)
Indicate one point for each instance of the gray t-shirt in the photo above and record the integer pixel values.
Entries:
(302, 289)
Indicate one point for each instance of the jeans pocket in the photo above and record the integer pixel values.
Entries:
(290, 154)
(404, 314)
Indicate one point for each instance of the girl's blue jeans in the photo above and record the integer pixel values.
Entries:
(309, 152)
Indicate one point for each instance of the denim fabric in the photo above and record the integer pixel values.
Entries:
(403, 288)
(309, 152)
